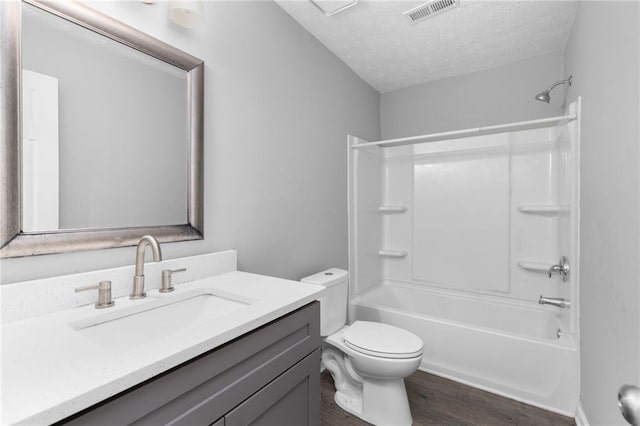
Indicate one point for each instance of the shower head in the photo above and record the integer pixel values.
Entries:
(544, 96)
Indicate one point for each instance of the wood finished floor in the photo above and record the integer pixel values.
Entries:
(438, 401)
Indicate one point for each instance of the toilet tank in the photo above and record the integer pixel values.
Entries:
(333, 305)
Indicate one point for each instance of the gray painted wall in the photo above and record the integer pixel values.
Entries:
(279, 107)
(603, 55)
(496, 96)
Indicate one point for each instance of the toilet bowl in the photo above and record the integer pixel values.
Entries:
(367, 360)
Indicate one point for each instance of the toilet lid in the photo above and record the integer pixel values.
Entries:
(383, 340)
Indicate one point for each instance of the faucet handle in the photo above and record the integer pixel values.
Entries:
(167, 286)
(104, 294)
(562, 268)
(554, 268)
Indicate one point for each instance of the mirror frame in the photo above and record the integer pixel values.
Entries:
(14, 242)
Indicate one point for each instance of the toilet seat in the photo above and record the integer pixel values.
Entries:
(382, 340)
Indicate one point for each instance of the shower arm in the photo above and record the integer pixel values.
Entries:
(557, 83)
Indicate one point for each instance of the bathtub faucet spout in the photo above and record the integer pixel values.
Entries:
(554, 301)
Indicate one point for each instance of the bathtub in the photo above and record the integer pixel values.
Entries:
(511, 349)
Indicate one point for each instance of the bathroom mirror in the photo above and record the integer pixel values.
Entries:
(102, 133)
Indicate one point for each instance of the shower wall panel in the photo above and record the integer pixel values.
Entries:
(569, 218)
(476, 218)
(365, 199)
(460, 223)
(534, 232)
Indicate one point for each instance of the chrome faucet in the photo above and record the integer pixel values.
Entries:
(554, 301)
(138, 279)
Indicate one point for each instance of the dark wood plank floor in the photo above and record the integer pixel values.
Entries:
(438, 401)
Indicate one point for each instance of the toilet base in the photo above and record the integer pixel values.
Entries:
(378, 399)
(350, 404)
(382, 402)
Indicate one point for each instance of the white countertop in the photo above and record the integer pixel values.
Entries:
(50, 371)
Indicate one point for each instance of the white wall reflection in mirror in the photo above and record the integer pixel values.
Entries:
(105, 131)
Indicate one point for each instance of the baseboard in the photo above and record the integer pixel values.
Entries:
(581, 417)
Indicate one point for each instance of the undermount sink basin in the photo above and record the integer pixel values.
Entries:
(158, 316)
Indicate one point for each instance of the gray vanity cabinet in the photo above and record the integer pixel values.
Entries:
(269, 376)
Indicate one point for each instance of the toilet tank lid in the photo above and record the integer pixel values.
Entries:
(327, 278)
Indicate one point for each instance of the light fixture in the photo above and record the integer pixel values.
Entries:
(186, 13)
(544, 96)
(331, 7)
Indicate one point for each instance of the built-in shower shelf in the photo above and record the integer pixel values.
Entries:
(397, 254)
(533, 266)
(543, 209)
(392, 209)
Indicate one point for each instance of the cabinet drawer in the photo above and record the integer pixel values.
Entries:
(204, 389)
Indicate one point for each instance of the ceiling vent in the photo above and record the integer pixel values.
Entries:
(429, 10)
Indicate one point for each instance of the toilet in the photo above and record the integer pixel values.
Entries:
(367, 360)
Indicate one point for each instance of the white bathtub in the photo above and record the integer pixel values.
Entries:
(510, 349)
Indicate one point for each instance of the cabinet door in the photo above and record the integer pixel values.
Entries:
(291, 399)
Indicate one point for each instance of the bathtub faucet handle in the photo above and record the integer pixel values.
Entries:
(562, 268)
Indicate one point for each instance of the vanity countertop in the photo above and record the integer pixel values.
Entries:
(50, 370)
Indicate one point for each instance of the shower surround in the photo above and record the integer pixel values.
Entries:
(453, 240)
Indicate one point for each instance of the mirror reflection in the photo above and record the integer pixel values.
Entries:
(105, 131)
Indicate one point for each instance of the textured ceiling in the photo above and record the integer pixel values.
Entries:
(382, 47)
